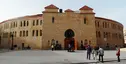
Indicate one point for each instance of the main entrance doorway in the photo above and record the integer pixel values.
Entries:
(69, 39)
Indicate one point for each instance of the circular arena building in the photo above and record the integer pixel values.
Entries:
(55, 26)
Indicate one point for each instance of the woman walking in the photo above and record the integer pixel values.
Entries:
(118, 54)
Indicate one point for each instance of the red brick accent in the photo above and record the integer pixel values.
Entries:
(69, 10)
(30, 16)
(49, 12)
(107, 19)
(85, 8)
(51, 7)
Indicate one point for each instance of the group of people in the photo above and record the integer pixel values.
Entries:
(98, 51)
(56, 46)
(15, 47)
(71, 46)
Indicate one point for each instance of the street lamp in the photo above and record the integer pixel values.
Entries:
(11, 35)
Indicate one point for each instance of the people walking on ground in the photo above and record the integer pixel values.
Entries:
(28, 47)
(96, 51)
(89, 49)
(93, 53)
(72, 46)
(118, 54)
(69, 48)
(52, 46)
(101, 54)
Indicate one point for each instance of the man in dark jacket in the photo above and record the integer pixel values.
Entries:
(89, 50)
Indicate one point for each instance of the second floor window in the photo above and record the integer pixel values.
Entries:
(21, 24)
(99, 35)
(23, 33)
(37, 22)
(24, 23)
(20, 33)
(40, 32)
(27, 23)
(26, 33)
(53, 19)
(33, 22)
(36, 32)
(85, 20)
(98, 24)
(40, 22)
(16, 24)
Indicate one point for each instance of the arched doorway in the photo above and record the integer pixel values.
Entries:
(69, 38)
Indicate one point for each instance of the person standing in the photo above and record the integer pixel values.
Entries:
(96, 51)
(118, 54)
(89, 49)
(69, 48)
(101, 54)
(93, 53)
(52, 46)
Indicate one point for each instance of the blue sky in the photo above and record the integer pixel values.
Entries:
(112, 9)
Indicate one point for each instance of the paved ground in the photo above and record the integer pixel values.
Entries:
(56, 57)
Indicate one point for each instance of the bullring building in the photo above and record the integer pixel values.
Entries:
(55, 25)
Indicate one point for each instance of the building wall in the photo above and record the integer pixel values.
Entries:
(98, 31)
(64, 21)
(125, 36)
(111, 32)
(18, 39)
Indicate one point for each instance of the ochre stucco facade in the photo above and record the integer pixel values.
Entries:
(39, 30)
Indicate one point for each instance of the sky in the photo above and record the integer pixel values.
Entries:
(112, 9)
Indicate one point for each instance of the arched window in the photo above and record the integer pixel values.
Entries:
(85, 20)
(53, 19)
